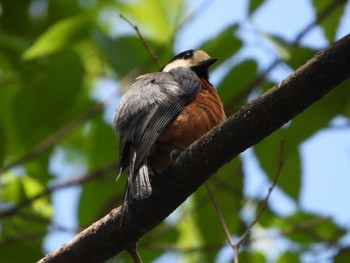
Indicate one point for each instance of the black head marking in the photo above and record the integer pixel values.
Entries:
(188, 54)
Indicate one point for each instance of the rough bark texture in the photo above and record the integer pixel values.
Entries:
(251, 124)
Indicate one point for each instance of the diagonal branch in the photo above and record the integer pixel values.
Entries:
(251, 124)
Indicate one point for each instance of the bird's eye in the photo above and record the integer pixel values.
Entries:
(188, 55)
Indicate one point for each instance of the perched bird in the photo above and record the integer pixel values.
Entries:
(163, 113)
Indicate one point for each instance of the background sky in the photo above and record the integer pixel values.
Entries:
(325, 156)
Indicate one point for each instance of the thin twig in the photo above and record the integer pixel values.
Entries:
(134, 253)
(219, 214)
(144, 42)
(263, 205)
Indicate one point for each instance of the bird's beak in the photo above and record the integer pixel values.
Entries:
(208, 62)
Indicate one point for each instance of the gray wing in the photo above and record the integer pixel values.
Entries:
(143, 114)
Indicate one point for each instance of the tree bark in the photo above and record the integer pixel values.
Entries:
(106, 237)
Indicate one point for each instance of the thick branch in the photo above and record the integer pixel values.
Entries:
(247, 127)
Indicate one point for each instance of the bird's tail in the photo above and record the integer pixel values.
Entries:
(138, 188)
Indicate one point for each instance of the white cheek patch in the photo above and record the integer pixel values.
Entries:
(177, 64)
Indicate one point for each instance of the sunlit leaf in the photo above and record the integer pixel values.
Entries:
(282, 47)
(31, 188)
(149, 13)
(330, 23)
(288, 257)
(190, 236)
(59, 36)
(251, 256)
(11, 188)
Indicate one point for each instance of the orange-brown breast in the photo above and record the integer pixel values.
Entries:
(195, 119)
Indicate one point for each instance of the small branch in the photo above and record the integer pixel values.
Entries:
(263, 205)
(236, 245)
(144, 42)
(220, 215)
(134, 253)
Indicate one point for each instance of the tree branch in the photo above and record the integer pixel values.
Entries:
(106, 237)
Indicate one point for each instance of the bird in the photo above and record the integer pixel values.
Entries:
(161, 115)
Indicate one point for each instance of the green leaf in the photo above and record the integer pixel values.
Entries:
(102, 145)
(288, 257)
(226, 38)
(330, 23)
(343, 255)
(308, 228)
(96, 143)
(254, 5)
(15, 189)
(14, 17)
(50, 99)
(11, 188)
(2, 143)
(282, 47)
(11, 42)
(147, 14)
(237, 82)
(251, 257)
(31, 188)
(59, 36)
(291, 54)
(25, 247)
(98, 197)
(304, 228)
(190, 236)
(114, 51)
(299, 56)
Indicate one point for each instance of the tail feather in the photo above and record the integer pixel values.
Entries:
(141, 185)
(138, 188)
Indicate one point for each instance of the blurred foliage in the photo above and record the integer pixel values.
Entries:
(54, 53)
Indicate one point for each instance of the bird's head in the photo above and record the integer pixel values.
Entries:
(196, 60)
